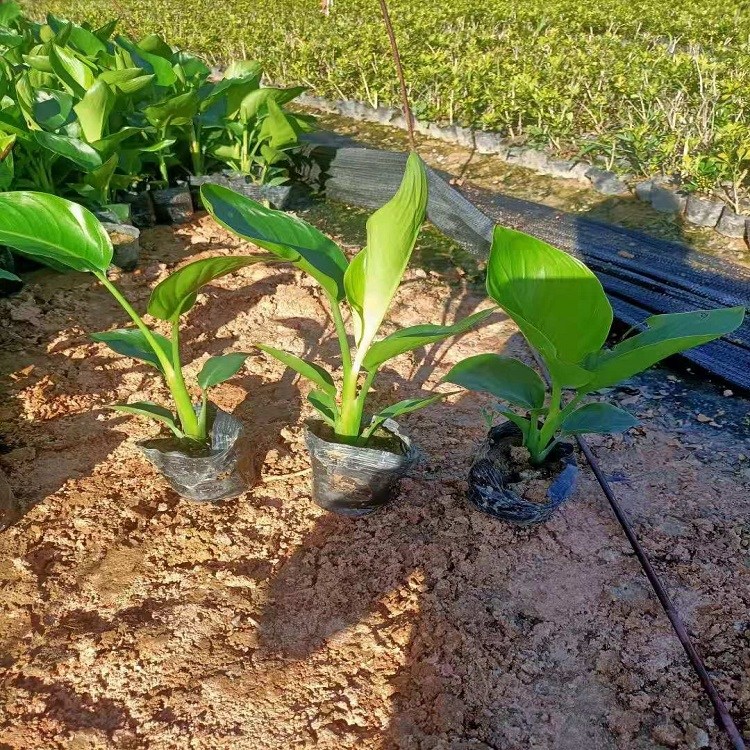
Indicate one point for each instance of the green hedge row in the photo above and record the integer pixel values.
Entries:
(648, 86)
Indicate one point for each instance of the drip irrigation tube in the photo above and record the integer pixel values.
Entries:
(725, 718)
(696, 662)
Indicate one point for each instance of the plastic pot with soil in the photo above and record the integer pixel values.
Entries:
(173, 205)
(357, 480)
(222, 469)
(506, 484)
(282, 197)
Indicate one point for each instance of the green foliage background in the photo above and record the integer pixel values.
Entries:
(646, 85)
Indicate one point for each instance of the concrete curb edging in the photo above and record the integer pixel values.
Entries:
(660, 192)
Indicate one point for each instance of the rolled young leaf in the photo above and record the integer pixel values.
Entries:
(218, 369)
(665, 335)
(375, 272)
(130, 342)
(177, 293)
(599, 418)
(54, 230)
(556, 301)
(505, 378)
(309, 370)
(286, 236)
(416, 336)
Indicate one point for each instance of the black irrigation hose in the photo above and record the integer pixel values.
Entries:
(694, 657)
(725, 718)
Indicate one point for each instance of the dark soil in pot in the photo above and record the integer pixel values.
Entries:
(224, 470)
(503, 483)
(173, 205)
(352, 480)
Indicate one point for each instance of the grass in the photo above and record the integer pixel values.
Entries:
(643, 86)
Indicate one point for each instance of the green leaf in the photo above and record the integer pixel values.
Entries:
(254, 101)
(556, 301)
(75, 74)
(376, 271)
(505, 378)
(286, 236)
(9, 11)
(155, 45)
(100, 178)
(602, 418)
(54, 230)
(152, 411)
(152, 64)
(106, 147)
(8, 276)
(177, 293)
(10, 38)
(80, 38)
(522, 423)
(243, 68)
(178, 110)
(325, 405)
(402, 407)
(94, 110)
(416, 336)
(665, 335)
(77, 151)
(130, 342)
(309, 370)
(277, 128)
(51, 109)
(218, 369)
(105, 31)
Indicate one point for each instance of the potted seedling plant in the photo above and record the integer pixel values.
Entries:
(525, 469)
(202, 452)
(357, 457)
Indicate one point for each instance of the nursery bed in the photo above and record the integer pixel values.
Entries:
(132, 619)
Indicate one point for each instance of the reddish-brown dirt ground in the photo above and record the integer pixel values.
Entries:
(130, 618)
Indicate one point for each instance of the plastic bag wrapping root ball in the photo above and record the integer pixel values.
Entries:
(354, 481)
(227, 472)
(490, 488)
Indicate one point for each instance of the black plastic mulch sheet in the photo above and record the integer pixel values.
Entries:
(642, 275)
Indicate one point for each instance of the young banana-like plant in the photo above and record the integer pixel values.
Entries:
(66, 236)
(561, 309)
(366, 286)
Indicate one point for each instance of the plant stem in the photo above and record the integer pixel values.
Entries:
(349, 420)
(244, 160)
(203, 418)
(188, 420)
(179, 383)
(195, 149)
(399, 73)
